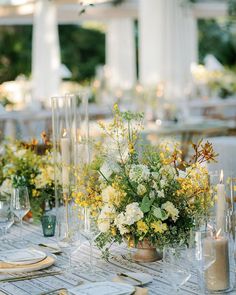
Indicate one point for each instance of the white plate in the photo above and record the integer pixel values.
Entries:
(48, 261)
(142, 277)
(103, 288)
(22, 256)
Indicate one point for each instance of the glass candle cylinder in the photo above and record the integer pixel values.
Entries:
(219, 276)
(70, 124)
(48, 225)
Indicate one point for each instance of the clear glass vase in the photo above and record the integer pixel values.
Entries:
(70, 127)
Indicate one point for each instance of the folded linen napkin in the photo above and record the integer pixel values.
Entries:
(138, 290)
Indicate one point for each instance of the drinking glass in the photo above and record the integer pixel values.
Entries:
(178, 269)
(6, 216)
(89, 231)
(68, 241)
(20, 205)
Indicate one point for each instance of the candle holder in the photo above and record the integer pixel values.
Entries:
(48, 225)
(219, 276)
(65, 125)
(70, 126)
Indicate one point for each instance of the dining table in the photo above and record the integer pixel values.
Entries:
(103, 270)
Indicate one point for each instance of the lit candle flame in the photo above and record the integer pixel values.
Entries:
(218, 233)
(64, 133)
(221, 176)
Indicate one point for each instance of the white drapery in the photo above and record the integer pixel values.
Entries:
(168, 45)
(45, 52)
(120, 53)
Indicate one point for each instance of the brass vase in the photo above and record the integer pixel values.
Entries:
(146, 252)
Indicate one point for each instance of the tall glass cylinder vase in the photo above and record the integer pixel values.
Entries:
(70, 126)
(65, 126)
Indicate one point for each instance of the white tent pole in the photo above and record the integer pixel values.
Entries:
(168, 45)
(45, 52)
(120, 52)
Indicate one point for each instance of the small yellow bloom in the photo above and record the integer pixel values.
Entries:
(113, 231)
(159, 227)
(142, 226)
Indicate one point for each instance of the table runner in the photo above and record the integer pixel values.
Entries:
(119, 262)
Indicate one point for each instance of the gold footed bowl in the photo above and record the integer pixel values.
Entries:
(146, 252)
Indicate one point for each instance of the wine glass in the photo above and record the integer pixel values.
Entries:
(20, 205)
(67, 233)
(68, 240)
(178, 269)
(6, 216)
(89, 231)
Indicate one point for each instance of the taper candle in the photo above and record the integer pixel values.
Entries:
(221, 204)
(65, 159)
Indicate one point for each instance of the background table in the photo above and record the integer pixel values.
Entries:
(102, 271)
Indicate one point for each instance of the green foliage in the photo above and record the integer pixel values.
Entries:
(212, 33)
(81, 50)
(15, 51)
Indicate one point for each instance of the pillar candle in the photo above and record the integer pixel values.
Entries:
(220, 205)
(217, 275)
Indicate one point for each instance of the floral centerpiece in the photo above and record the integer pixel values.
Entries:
(22, 165)
(148, 196)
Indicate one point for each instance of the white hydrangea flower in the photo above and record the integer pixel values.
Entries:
(154, 185)
(139, 173)
(20, 153)
(155, 175)
(6, 187)
(133, 213)
(120, 222)
(107, 193)
(104, 225)
(171, 210)
(162, 183)
(141, 189)
(152, 195)
(106, 217)
(161, 194)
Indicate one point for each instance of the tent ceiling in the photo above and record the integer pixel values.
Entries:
(68, 11)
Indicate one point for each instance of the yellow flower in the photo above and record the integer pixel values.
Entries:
(113, 231)
(159, 227)
(142, 226)
(35, 193)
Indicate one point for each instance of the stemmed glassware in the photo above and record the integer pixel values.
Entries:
(20, 205)
(6, 216)
(89, 231)
(178, 269)
(68, 241)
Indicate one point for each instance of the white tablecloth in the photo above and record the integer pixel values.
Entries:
(103, 271)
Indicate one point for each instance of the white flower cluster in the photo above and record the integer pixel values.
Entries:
(139, 173)
(45, 177)
(131, 215)
(141, 189)
(20, 153)
(171, 210)
(6, 187)
(106, 217)
(108, 194)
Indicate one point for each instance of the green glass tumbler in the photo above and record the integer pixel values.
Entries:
(48, 225)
